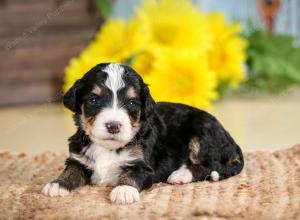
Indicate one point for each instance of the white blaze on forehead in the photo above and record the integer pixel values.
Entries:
(114, 80)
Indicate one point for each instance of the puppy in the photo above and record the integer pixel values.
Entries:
(126, 140)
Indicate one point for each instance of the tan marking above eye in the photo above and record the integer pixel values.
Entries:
(97, 90)
(131, 93)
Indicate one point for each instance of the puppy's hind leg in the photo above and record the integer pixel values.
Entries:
(195, 165)
(191, 173)
(232, 167)
(192, 170)
(214, 170)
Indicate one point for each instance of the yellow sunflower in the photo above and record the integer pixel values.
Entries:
(181, 52)
(182, 76)
(117, 41)
(176, 24)
(144, 60)
(228, 54)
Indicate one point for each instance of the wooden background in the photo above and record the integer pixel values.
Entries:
(37, 39)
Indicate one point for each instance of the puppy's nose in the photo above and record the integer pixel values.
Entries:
(113, 127)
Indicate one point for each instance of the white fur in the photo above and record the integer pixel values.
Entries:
(214, 176)
(53, 189)
(100, 135)
(105, 163)
(114, 80)
(180, 176)
(124, 195)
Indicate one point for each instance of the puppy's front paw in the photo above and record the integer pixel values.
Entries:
(180, 176)
(124, 194)
(54, 189)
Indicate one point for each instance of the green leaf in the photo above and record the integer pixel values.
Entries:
(104, 7)
(273, 61)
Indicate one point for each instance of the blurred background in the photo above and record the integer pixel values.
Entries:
(239, 60)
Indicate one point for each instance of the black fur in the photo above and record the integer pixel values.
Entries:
(166, 130)
(75, 174)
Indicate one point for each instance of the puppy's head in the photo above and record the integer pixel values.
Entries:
(111, 101)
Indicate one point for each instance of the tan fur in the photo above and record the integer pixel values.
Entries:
(136, 151)
(97, 90)
(131, 93)
(126, 180)
(234, 160)
(194, 147)
(90, 120)
(87, 123)
(136, 123)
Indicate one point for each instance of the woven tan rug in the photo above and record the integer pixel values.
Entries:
(268, 188)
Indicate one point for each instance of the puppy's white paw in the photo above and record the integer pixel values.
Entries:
(214, 176)
(124, 195)
(53, 189)
(180, 176)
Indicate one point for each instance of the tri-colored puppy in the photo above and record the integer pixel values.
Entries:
(126, 140)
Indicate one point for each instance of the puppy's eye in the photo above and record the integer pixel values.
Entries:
(92, 100)
(133, 103)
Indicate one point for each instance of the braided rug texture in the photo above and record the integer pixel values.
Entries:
(267, 188)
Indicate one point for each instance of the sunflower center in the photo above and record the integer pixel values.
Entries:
(165, 33)
(184, 83)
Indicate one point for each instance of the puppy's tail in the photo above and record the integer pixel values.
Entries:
(232, 167)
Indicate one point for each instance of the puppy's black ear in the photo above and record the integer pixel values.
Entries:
(71, 99)
(148, 103)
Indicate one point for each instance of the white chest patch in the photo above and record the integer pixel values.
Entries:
(106, 164)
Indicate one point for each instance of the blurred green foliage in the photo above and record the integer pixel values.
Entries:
(273, 62)
(104, 8)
